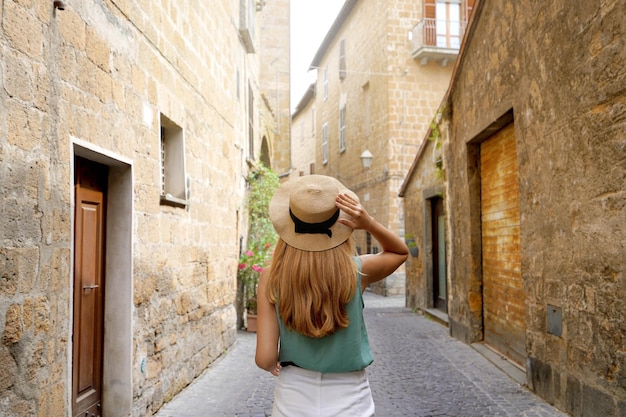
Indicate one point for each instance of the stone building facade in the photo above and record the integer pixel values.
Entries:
(533, 135)
(275, 70)
(303, 135)
(127, 129)
(425, 231)
(376, 92)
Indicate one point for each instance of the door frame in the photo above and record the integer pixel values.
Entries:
(118, 302)
(438, 302)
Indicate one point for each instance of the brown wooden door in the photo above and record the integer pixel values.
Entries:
(503, 294)
(90, 215)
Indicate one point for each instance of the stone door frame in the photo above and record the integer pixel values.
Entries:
(118, 324)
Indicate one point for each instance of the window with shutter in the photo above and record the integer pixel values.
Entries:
(342, 59)
(342, 129)
(325, 144)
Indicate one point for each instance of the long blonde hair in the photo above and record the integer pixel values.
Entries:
(313, 288)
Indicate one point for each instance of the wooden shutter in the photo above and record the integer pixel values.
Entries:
(342, 59)
(430, 9)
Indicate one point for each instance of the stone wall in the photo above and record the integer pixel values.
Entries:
(94, 80)
(559, 77)
(426, 182)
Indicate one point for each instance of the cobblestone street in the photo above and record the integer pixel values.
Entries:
(418, 371)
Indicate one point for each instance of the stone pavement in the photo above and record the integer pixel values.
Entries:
(418, 371)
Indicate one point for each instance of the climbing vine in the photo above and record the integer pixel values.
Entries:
(436, 137)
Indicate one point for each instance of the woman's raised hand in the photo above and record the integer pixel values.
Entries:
(360, 218)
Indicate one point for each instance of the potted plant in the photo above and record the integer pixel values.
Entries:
(251, 314)
(251, 264)
(410, 242)
(261, 239)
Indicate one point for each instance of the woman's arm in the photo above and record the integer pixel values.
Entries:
(394, 250)
(267, 329)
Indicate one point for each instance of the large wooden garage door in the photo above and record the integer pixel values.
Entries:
(503, 294)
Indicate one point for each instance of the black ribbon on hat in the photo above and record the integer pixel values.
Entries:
(322, 228)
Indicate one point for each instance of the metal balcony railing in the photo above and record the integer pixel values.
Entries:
(437, 38)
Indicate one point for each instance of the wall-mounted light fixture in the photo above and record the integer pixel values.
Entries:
(366, 159)
(59, 5)
(259, 5)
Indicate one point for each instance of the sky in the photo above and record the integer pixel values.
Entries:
(310, 21)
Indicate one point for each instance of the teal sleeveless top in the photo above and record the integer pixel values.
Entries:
(346, 350)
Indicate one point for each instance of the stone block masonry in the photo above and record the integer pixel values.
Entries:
(95, 81)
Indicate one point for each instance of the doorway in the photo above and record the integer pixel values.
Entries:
(440, 288)
(90, 187)
(504, 299)
(114, 179)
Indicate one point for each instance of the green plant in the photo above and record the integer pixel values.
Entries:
(251, 305)
(435, 133)
(261, 234)
(436, 137)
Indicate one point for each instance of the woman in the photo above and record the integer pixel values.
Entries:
(310, 299)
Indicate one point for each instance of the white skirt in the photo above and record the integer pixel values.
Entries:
(303, 393)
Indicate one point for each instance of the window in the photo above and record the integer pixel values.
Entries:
(173, 178)
(448, 24)
(247, 10)
(238, 81)
(325, 83)
(325, 144)
(342, 59)
(313, 122)
(366, 110)
(342, 129)
(370, 247)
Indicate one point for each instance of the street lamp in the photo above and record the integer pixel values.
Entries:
(366, 159)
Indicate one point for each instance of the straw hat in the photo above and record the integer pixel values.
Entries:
(305, 215)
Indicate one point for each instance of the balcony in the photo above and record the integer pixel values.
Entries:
(436, 39)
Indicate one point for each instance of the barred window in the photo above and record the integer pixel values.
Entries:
(174, 188)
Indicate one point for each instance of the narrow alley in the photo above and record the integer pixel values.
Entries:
(418, 371)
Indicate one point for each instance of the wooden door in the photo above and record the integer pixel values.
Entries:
(89, 220)
(503, 293)
(440, 292)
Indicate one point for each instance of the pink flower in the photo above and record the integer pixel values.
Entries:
(249, 253)
(257, 268)
(242, 266)
(267, 245)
